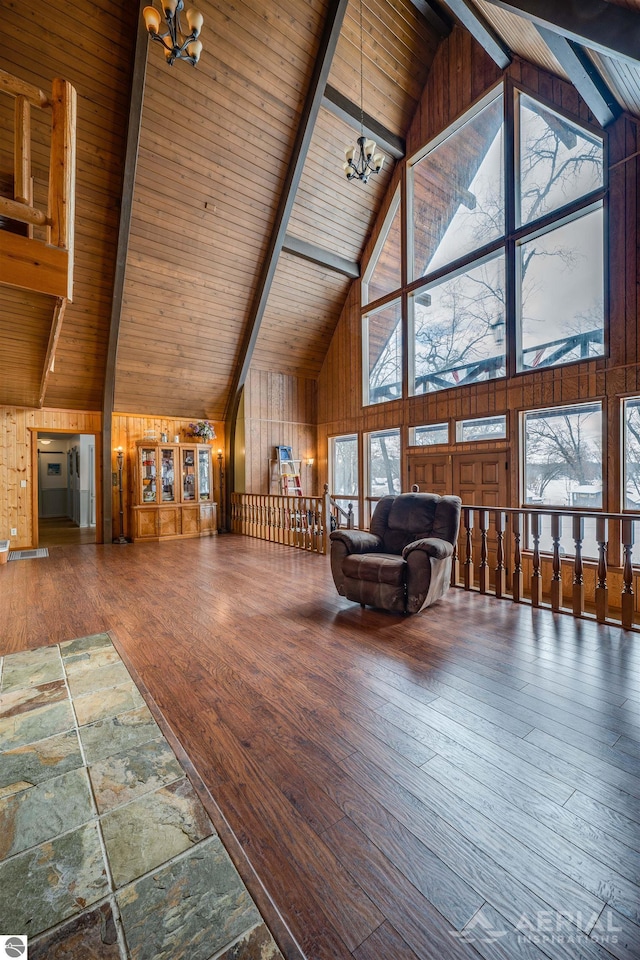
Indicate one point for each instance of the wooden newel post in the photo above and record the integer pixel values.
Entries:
(326, 519)
(483, 571)
(556, 580)
(536, 575)
(468, 560)
(602, 591)
(350, 516)
(517, 581)
(578, 574)
(501, 571)
(62, 173)
(627, 574)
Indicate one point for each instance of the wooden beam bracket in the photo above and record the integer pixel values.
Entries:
(347, 110)
(598, 24)
(479, 27)
(320, 256)
(584, 75)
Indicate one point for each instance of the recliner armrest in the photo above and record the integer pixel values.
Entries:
(357, 541)
(433, 546)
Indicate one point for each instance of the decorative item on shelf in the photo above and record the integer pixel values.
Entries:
(176, 44)
(363, 159)
(176, 439)
(202, 431)
(150, 436)
(163, 437)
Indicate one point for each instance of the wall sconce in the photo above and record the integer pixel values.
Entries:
(310, 461)
(120, 461)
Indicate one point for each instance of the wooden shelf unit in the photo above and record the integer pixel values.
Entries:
(173, 491)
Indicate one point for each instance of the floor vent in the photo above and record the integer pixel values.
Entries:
(28, 554)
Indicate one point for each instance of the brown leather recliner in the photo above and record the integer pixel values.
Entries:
(404, 562)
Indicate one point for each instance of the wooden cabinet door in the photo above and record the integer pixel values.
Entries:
(208, 519)
(169, 522)
(145, 524)
(190, 521)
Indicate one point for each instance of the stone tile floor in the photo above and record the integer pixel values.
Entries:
(106, 851)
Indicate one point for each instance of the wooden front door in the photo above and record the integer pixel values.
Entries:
(479, 479)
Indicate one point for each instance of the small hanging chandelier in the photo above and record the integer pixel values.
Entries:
(363, 159)
(176, 44)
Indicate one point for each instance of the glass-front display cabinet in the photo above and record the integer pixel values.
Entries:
(173, 491)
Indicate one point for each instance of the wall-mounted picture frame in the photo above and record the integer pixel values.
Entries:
(54, 469)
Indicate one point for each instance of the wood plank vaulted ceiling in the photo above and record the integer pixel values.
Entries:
(215, 145)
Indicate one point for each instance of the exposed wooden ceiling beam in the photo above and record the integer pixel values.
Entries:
(126, 205)
(434, 15)
(584, 75)
(350, 112)
(602, 26)
(328, 43)
(470, 17)
(324, 258)
(54, 336)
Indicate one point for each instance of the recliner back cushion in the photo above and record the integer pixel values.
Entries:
(410, 517)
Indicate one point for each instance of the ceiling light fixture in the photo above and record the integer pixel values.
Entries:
(363, 159)
(176, 44)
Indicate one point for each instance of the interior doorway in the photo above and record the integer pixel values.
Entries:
(66, 489)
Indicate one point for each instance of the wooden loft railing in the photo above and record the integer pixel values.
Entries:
(44, 266)
(587, 569)
(295, 521)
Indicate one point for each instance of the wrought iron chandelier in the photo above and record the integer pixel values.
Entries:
(176, 44)
(364, 158)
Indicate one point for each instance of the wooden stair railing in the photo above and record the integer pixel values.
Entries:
(44, 266)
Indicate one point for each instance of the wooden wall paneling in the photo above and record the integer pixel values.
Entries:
(24, 335)
(396, 60)
(520, 36)
(102, 83)
(279, 409)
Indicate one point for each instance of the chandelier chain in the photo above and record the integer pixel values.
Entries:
(363, 159)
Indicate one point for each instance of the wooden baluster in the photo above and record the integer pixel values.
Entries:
(483, 571)
(455, 566)
(517, 580)
(602, 591)
(325, 546)
(308, 524)
(536, 575)
(578, 573)
(556, 580)
(627, 574)
(501, 572)
(22, 180)
(468, 563)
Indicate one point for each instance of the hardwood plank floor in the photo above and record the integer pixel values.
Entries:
(458, 784)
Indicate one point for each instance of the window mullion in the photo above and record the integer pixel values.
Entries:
(511, 159)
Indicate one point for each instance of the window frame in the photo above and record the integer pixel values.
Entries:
(368, 499)
(355, 499)
(375, 254)
(590, 402)
(497, 438)
(515, 235)
(369, 311)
